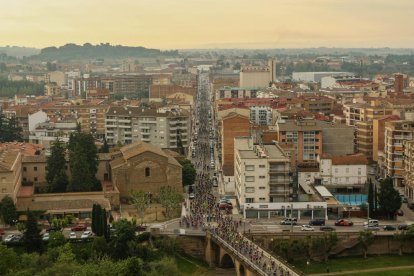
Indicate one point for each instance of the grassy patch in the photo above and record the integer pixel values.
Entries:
(355, 263)
(397, 272)
(189, 265)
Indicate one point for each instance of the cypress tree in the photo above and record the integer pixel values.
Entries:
(105, 229)
(371, 197)
(93, 218)
(99, 223)
(32, 239)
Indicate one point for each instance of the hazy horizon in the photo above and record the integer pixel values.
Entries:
(202, 24)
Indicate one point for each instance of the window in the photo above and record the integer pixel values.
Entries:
(147, 172)
(336, 170)
(347, 179)
(359, 171)
(35, 169)
(35, 179)
(249, 189)
(249, 167)
(262, 198)
(249, 200)
(347, 170)
(262, 166)
(262, 188)
(262, 177)
(24, 169)
(249, 178)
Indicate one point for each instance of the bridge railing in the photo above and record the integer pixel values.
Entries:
(287, 269)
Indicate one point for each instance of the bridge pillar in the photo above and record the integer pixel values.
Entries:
(209, 254)
(237, 267)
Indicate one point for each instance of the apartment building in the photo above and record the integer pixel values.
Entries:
(261, 173)
(90, 114)
(236, 92)
(10, 173)
(52, 90)
(47, 132)
(256, 76)
(261, 115)
(365, 112)
(378, 132)
(346, 173)
(157, 91)
(166, 128)
(409, 169)
(396, 133)
(232, 125)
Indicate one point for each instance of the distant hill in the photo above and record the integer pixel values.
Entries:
(100, 51)
(15, 51)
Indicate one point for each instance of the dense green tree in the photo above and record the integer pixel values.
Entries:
(188, 172)
(124, 233)
(389, 199)
(94, 221)
(55, 172)
(8, 260)
(8, 211)
(100, 247)
(142, 201)
(56, 239)
(82, 179)
(170, 199)
(371, 197)
(10, 88)
(365, 238)
(83, 161)
(32, 238)
(9, 129)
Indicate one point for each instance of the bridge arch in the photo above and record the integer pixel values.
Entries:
(226, 261)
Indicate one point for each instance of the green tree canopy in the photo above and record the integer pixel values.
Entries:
(142, 201)
(9, 129)
(170, 199)
(8, 211)
(188, 172)
(32, 238)
(389, 199)
(56, 174)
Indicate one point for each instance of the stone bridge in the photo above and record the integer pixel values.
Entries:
(220, 253)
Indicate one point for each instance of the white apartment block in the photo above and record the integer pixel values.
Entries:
(344, 172)
(47, 132)
(261, 173)
(164, 128)
(261, 115)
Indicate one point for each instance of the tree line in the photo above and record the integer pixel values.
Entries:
(123, 253)
(11, 88)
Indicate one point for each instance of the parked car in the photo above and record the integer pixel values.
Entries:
(372, 222)
(72, 236)
(371, 227)
(403, 227)
(215, 182)
(327, 228)
(86, 235)
(307, 228)
(400, 212)
(2, 232)
(289, 221)
(10, 238)
(191, 196)
(46, 237)
(389, 228)
(79, 227)
(318, 222)
(343, 222)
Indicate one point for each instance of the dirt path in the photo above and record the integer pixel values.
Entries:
(365, 270)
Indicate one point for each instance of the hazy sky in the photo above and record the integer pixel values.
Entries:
(169, 24)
